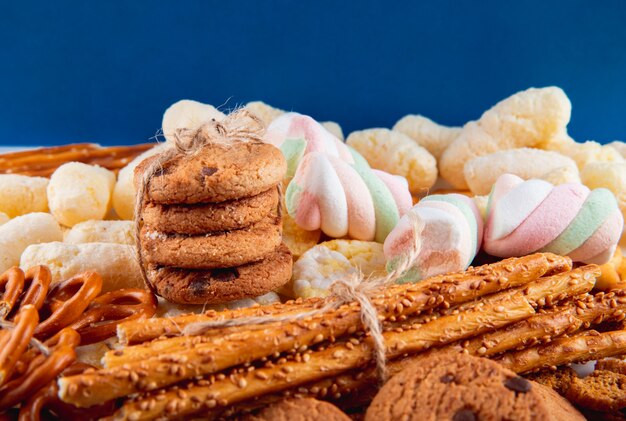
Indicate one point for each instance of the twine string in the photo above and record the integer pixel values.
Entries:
(243, 126)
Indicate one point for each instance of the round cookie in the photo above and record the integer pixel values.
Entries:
(299, 409)
(218, 249)
(185, 286)
(206, 217)
(465, 388)
(215, 174)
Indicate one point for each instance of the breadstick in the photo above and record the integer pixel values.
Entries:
(43, 162)
(473, 283)
(135, 332)
(544, 327)
(546, 291)
(30, 156)
(583, 347)
(387, 308)
(331, 361)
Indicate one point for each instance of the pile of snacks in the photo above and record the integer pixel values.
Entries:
(215, 229)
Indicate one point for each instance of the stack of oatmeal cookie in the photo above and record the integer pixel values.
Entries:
(212, 226)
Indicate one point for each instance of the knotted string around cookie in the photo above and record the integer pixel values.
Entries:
(240, 126)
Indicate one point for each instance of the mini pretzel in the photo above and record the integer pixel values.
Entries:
(67, 301)
(41, 369)
(47, 398)
(103, 315)
(37, 284)
(12, 284)
(14, 341)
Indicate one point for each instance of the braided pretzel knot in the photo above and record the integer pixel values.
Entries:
(103, 315)
(48, 398)
(66, 302)
(41, 369)
(14, 342)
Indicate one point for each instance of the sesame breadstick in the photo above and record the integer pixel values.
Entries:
(135, 332)
(331, 361)
(579, 348)
(578, 314)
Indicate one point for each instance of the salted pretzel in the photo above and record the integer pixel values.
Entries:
(14, 341)
(47, 398)
(101, 318)
(66, 302)
(41, 369)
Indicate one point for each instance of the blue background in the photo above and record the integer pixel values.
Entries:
(75, 71)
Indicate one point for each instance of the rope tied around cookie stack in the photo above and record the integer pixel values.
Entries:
(243, 126)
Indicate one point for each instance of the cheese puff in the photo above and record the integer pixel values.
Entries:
(527, 119)
(587, 152)
(610, 175)
(482, 172)
(169, 309)
(22, 231)
(20, 194)
(265, 299)
(116, 263)
(320, 266)
(426, 133)
(298, 240)
(619, 146)
(265, 112)
(396, 153)
(78, 192)
(610, 277)
(124, 191)
(93, 231)
(187, 114)
(334, 129)
(621, 269)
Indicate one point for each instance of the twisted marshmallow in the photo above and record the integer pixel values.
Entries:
(529, 216)
(297, 135)
(333, 187)
(451, 236)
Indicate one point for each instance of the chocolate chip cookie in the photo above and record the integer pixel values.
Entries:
(465, 388)
(299, 409)
(216, 173)
(219, 249)
(220, 285)
(206, 217)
